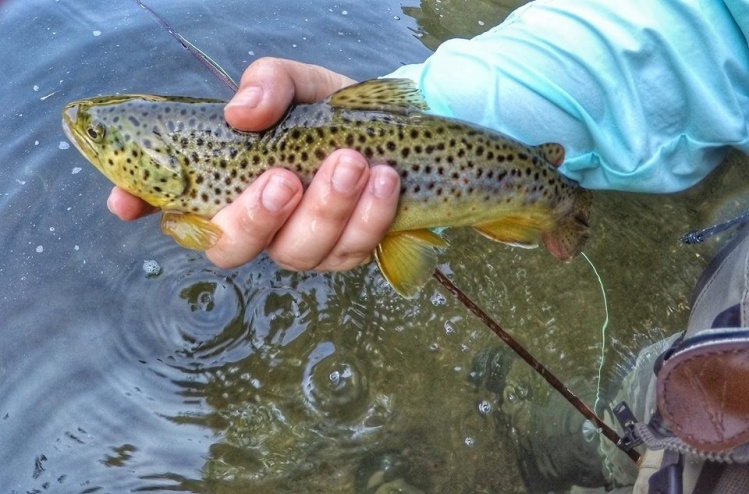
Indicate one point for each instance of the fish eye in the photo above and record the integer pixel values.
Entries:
(96, 132)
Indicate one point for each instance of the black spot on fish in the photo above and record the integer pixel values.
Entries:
(417, 149)
(216, 176)
(320, 154)
(134, 120)
(349, 139)
(415, 168)
(255, 160)
(428, 170)
(405, 152)
(414, 133)
(296, 134)
(199, 179)
(522, 156)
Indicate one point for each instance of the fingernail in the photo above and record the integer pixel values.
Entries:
(110, 204)
(276, 194)
(384, 183)
(347, 173)
(247, 98)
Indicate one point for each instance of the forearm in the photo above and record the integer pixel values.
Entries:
(645, 95)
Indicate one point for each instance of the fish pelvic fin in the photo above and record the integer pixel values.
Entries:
(518, 230)
(190, 230)
(572, 229)
(407, 259)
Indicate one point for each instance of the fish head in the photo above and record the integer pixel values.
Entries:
(115, 134)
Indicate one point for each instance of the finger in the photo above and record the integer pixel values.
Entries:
(126, 206)
(270, 85)
(251, 221)
(315, 227)
(369, 222)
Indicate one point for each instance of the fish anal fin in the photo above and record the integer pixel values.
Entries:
(407, 259)
(518, 231)
(190, 230)
(552, 152)
(393, 95)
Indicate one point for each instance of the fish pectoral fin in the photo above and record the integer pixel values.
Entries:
(407, 259)
(518, 231)
(190, 230)
(394, 95)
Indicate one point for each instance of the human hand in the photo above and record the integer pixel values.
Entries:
(333, 226)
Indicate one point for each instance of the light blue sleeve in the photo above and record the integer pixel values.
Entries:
(645, 95)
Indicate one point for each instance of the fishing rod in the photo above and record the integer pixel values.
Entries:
(698, 236)
(542, 370)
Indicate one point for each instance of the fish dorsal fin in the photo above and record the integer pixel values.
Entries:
(407, 259)
(392, 95)
(551, 152)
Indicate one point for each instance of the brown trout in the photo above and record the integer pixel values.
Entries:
(180, 155)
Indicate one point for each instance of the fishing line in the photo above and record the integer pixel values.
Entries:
(603, 330)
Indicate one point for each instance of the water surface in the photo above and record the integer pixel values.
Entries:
(116, 378)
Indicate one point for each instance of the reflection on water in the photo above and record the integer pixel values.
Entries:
(129, 364)
(440, 20)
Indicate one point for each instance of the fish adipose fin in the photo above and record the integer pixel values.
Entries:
(407, 259)
(399, 96)
(190, 230)
(518, 231)
(567, 238)
(552, 152)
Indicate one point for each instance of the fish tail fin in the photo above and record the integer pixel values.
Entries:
(572, 228)
(407, 259)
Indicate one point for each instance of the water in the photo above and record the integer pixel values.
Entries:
(129, 364)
